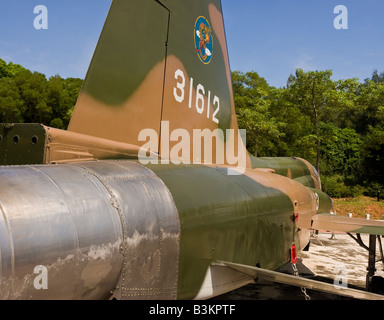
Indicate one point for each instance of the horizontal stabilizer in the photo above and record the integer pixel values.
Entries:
(283, 278)
(33, 143)
(330, 222)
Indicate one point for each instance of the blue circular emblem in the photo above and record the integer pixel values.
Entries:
(203, 40)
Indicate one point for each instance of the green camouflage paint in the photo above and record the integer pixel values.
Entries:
(229, 218)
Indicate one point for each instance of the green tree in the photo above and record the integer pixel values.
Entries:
(311, 91)
(12, 107)
(260, 127)
(33, 90)
(297, 138)
(3, 69)
(251, 94)
(72, 86)
(341, 103)
(376, 77)
(369, 111)
(9, 70)
(27, 96)
(373, 154)
(58, 99)
(57, 123)
(340, 150)
(13, 69)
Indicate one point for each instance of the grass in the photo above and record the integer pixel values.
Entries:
(360, 206)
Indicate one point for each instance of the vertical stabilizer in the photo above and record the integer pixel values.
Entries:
(160, 78)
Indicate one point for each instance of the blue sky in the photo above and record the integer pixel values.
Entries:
(271, 37)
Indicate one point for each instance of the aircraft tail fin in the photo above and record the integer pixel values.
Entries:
(151, 72)
(124, 84)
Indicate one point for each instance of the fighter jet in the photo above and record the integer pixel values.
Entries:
(150, 192)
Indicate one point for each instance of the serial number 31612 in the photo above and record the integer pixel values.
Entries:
(201, 101)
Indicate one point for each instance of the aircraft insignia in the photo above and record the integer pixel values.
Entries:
(203, 40)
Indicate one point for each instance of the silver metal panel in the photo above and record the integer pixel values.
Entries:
(151, 229)
(95, 227)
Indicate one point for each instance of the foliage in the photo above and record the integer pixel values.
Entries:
(252, 104)
(27, 96)
(373, 153)
(373, 189)
(336, 125)
(340, 150)
(335, 186)
(12, 106)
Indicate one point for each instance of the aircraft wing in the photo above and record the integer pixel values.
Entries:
(330, 222)
(292, 280)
